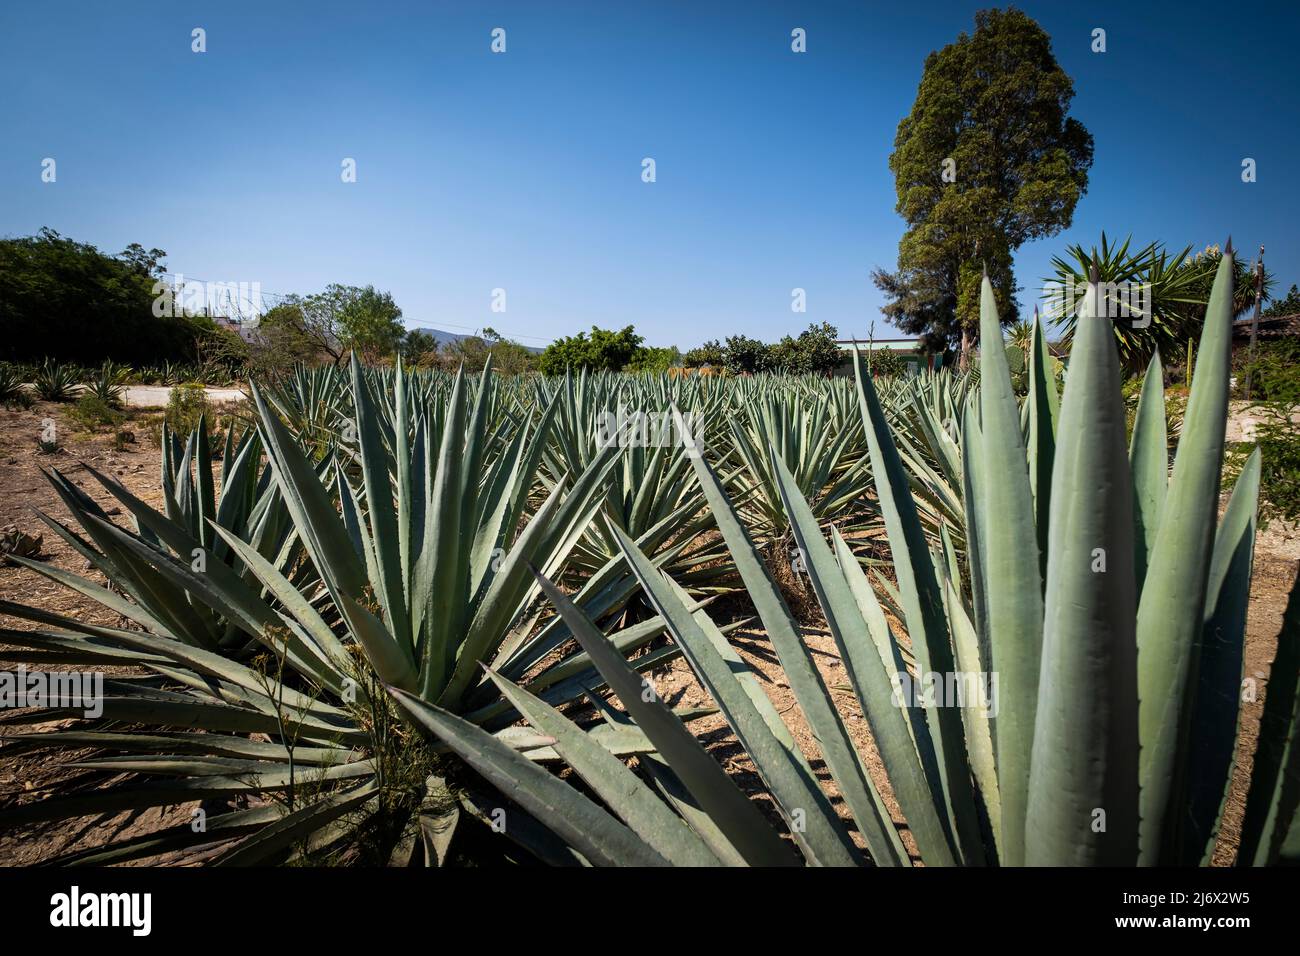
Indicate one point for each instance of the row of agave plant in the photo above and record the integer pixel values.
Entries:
(388, 608)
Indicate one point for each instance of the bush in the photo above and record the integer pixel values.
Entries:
(744, 354)
(710, 353)
(93, 413)
(1278, 440)
(886, 363)
(654, 360)
(1275, 372)
(604, 351)
(186, 404)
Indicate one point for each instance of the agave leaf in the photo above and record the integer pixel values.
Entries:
(805, 680)
(613, 782)
(1171, 614)
(1014, 589)
(795, 789)
(579, 822)
(1085, 746)
(922, 605)
(717, 794)
(1216, 717)
(1149, 457)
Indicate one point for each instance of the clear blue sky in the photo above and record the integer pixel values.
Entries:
(523, 170)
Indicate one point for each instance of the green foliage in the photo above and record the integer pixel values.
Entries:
(68, 300)
(1278, 438)
(995, 104)
(886, 363)
(710, 353)
(11, 385)
(56, 382)
(1275, 371)
(108, 383)
(744, 354)
(655, 360)
(1289, 305)
(187, 405)
(603, 351)
(416, 344)
(814, 352)
(369, 321)
(93, 413)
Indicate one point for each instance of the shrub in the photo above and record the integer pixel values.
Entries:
(186, 404)
(886, 363)
(93, 413)
(1279, 446)
(1274, 373)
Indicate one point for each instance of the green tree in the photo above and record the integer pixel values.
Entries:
(369, 321)
(743, 354)
(655, 360)
(710, 353)
(986, 161)
(417, 343)
(472, 351)
(1290, 305)
(64, 299)
(605, 350)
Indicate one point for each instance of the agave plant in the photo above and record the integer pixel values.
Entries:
(828, 462)
(11, 385)
(652, 493)
(276, 606)
(1108, 600)
(56, 382)
(109, 382)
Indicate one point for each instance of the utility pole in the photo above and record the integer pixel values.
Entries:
(1254, 322)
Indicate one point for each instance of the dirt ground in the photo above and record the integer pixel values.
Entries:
(23, 488)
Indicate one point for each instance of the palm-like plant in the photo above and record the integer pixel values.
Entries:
(1151, 296)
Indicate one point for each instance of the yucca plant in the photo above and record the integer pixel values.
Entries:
(1108, 600)
(56, 382)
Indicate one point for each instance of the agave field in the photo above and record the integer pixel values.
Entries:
(407, 606)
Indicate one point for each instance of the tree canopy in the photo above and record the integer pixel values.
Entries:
(604, 350)
(987, 160)
(68, 300)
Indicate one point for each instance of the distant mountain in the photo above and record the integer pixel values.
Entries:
(443, 337)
